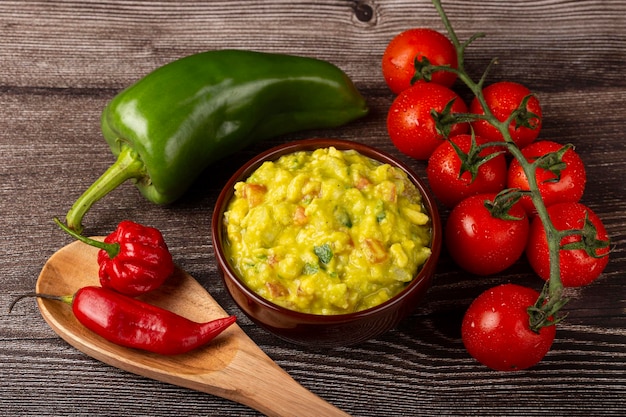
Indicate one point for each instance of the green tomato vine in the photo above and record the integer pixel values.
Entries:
(551, 299)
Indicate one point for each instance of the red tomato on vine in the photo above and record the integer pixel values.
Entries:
(456, 170)
(503, 98)
(556, 183)
(496, 330)
(425, 45)
(410, 124)
(485, 239)
(583, 256)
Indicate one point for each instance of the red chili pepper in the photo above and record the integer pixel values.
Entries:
(133, 260)
(136, 324)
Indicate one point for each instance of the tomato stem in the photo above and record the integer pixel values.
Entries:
(551, 299)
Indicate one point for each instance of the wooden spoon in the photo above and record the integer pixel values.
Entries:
(232, 366)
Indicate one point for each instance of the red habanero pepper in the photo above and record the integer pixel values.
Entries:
(133, 323)
(133, 260)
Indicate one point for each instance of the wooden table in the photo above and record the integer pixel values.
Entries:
(61, 61)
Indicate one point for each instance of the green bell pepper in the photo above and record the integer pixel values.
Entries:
(173, 123)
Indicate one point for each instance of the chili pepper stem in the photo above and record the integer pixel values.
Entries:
(127, 166)
(67, 299)
(112, 249)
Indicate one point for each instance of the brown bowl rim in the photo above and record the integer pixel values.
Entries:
(426, 271)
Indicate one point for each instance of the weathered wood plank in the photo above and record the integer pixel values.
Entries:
(61, 61)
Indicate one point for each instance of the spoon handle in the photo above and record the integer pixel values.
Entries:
(264, 386)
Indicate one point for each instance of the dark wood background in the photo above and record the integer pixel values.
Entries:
(60, 62)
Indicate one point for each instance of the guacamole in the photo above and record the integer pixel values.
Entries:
(327, 231)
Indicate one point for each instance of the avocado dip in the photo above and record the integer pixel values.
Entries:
(327, 232)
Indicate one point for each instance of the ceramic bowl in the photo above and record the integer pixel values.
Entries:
(324, 330)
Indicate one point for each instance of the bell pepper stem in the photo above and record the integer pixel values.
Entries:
(112, 249)
(128, 165)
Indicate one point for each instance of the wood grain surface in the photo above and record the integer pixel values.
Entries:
(61, 61)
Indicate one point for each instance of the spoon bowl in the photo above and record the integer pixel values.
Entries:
(232, 366)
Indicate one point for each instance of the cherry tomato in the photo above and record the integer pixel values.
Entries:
(496, 331)
(568, 185)
(578, 268)
(444, 170)
(503, 98)
(410, 124)
(481, 243)
(398, 63)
